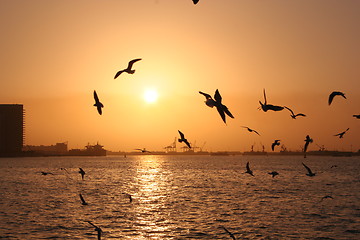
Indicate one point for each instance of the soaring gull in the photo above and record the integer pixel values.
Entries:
(333, 94)
(265, 107)
(341, 135)
(307, 141)
(248, 170)
(310, 173)
(128, 69)
(98, 104)
(183, 139)
(251, 130)
(275, 143)
(295, 115)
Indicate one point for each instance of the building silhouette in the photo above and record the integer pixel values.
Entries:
(11, 129)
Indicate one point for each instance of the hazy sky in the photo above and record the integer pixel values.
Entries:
(54, 54)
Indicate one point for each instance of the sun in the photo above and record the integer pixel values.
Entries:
(150, 95)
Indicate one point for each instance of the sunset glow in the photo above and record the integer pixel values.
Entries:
(150, 95)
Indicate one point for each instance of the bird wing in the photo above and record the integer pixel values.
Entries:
(307, 168)
(217, 96)
(274, 107)
(132, 62)
(99, 110)
(256, 132)
(81, 198)
(181, 134)
(292, 113)
(273, 146)
(195, 1)
(226, 110)
(247, 166)
(221, 112)
(230, 234)
(118, 73)
(92, 224)
(264, 97)
(300, 114)
(96, 97)
(331, 97)
(187, 143)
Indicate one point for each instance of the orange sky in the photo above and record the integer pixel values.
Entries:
(55, 53)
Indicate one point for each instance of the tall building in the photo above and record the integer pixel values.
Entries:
(11, 129)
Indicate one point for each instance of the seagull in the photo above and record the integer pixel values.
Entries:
(183, 139)
(251, 130)
(195, 1)
(82, 172)
(310, 173)
(98, 229)
(275, 143)
(356, 116)
(273, 173)
(295, 115)
(265, 107)
(83, 202)
(128, 196)
(341, 135)
(142, 150)
(307, 141)
(333, 94)
(248, 170)
(128, 69)
(231, 235)
(98, 104)
(221, 108)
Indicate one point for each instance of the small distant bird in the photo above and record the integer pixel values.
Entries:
(341, 135)
(183, 139)
(82, 172)
(251, 130)
(295, 115)
(248, 170)
(333, 94)
(128, 196)
(97, 229)
(46, 173)
(307, 141)
(230, 234)
(273, 173)
(265, 107)
(142, 150)
(83, 202)
(275, 143)
(195, 1)
(310, 173)
(98, 104)
(356, 116)
(128, 69)
(333, 166)
(221, 108)
(326, 197)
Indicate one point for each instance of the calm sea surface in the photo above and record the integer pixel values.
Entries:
(180, 197)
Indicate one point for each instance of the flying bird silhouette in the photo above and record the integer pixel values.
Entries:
(97, 229)
(129, 69)
(307, 140)
(326, 197)
(128, 196)
(46, 173)
(248, 170)
(275, 143)
(98, 104)
(221, 108)
(82, 172)
(142, 150)
(251, 130)
(195, 1)
(183, 139)
(310, 173)
(341, 135)
(295, 115)
(230, 234)
(265, 107)
(273, 173)
(83, 202)
(333, 94)
(356, 116)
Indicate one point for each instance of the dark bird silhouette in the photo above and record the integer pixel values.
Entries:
(295, 115)
(251, 130)
(128, 196)
(221, 108)
(265, 107)
(356, 116)
(82, 172)
(307, 140)
(195, 1)
(248, 170)
(326, 197)
(273, 173)
(46, 173)
(333, 94)
(97, 229)
(98, 104)
(230, 234)
(183, 139)
(142, 150)
(341, 135)
(83, 202)
(129, 69)
(333, 166)
(275, 143)
(310, 173)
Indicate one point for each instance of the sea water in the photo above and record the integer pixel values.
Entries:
(180, 197)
